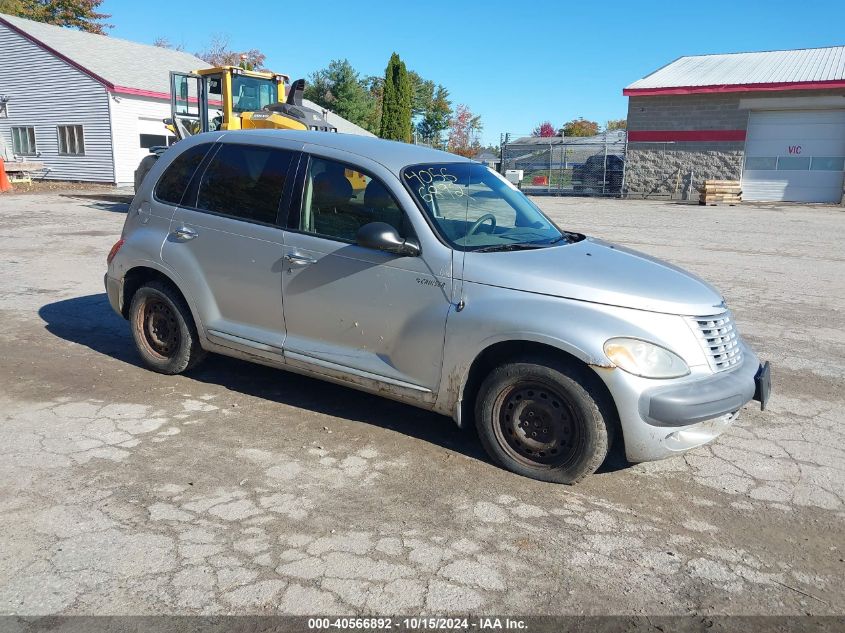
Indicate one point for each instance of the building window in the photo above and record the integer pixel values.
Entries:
(828, 163)
(23, 141)
(793, 163)
(156, 140)
(71, 140)
(766, 163)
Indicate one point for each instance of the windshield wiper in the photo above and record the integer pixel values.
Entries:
(566, 235)
(508, 247)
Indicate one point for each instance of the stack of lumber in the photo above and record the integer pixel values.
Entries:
(716, 191)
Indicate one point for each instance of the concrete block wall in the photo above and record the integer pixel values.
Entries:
(658, 169)
(687, 112)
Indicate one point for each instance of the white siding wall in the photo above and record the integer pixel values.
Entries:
(132, 116)
(46, 92)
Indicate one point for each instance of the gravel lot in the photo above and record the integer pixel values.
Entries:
(242, 489)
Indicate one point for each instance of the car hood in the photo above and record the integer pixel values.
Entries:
(599, 272)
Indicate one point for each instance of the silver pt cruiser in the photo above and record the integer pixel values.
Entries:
(425, 277)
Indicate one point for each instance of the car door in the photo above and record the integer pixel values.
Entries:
(226, 244)
(367, 314)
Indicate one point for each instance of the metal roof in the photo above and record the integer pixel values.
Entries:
(115, 62)
(613, 136)
(808, 68)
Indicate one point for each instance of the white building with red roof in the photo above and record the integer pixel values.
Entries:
(87, 106)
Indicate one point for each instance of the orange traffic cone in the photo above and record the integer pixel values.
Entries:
(5, 185)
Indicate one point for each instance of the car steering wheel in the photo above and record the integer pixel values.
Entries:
(480, 221)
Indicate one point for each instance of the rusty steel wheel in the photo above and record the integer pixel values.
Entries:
(544, 418)
(537, 425)
(163, 329)
(160, 328)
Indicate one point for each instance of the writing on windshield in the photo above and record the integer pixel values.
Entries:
(474, 208)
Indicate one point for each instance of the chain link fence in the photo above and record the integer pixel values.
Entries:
(592, 165)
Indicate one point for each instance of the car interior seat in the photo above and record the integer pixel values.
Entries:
(330, 206)
(382, 208)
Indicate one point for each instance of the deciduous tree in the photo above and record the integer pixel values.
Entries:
(545, 129)
(396, 101)
(616, 124)
(164, 42)
(580, 127)
(219, 53)
(464, 128)
(77, 14)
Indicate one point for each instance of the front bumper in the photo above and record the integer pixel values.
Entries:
(666, 417)
(690, 402)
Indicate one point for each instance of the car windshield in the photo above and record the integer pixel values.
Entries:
(474, 208)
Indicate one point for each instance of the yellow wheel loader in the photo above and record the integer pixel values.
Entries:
(231, 98)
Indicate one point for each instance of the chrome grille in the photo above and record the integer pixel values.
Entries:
(720, 341)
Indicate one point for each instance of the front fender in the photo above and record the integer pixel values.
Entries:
(494, 315)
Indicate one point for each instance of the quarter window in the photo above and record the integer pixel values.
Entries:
(71, 140)
(173, 184)
(245, 182)
(339, 200)
(23, 141)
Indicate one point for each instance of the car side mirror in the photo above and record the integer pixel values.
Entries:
(383, 237)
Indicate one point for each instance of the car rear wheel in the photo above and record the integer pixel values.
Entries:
(163, 329)
(544, 419)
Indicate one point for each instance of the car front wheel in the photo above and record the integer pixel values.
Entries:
(544, 419)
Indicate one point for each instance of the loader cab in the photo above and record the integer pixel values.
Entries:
(215, 98)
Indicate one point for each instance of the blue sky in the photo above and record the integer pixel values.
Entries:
(514, 63)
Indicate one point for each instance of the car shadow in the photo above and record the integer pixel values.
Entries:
(91, 322)
(115, 203)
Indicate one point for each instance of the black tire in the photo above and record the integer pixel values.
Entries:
(544, 419)
(163, 329)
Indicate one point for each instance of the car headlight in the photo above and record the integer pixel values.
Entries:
(644, 359)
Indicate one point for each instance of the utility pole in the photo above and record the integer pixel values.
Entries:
(503, 143)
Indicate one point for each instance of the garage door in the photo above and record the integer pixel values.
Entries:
(794, 156)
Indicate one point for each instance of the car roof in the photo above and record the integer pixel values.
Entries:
(394, 155)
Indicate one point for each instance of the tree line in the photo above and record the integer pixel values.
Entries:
(401, 105)
(577, 127)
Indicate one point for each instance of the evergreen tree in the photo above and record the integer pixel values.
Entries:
(435, 120)
(339, 89)
(397, 99)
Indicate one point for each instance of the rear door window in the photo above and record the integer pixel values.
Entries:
(245, 182)
(173, 184)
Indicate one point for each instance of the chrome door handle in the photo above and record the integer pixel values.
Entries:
(184, 233)
(295, 259)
